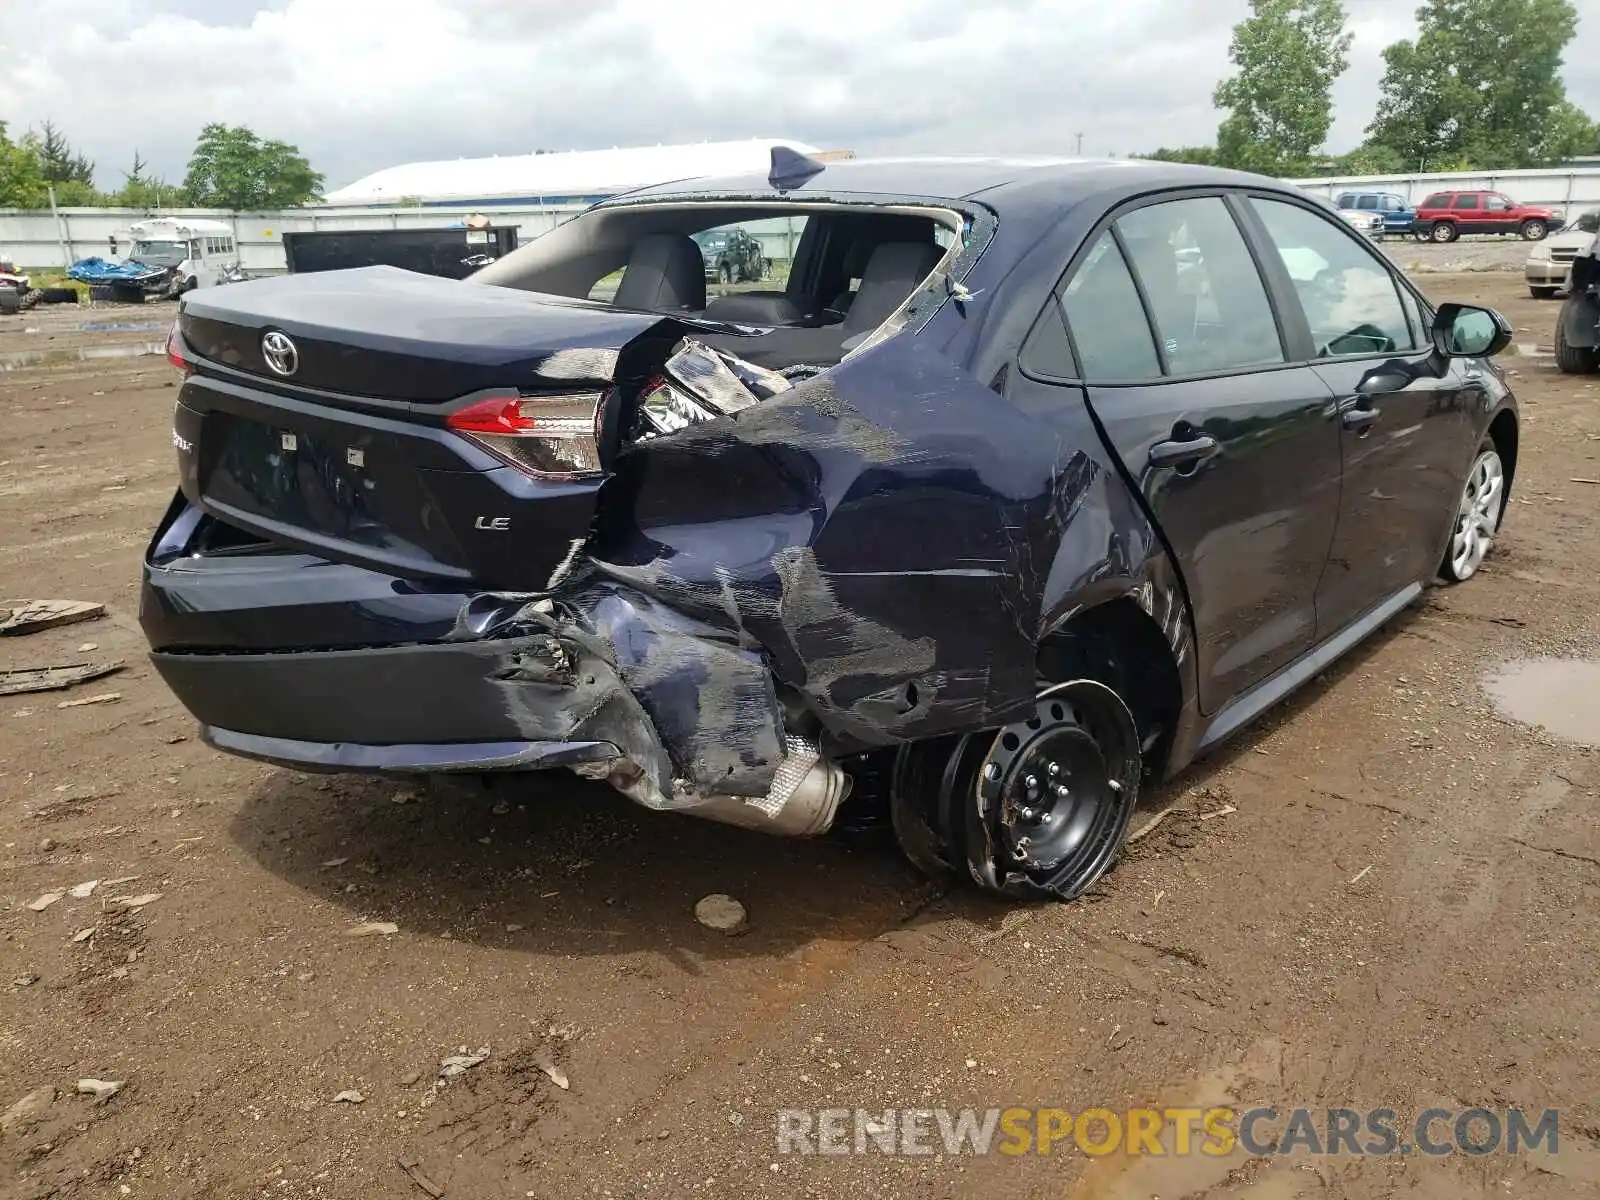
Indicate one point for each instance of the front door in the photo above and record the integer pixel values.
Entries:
(1234, 451)
(1406, 433)
(1499, 214)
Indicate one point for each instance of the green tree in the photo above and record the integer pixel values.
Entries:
(1481, 84)
(1206, 156)
(22, 182)
(141, 190)
(1287, 55)
(57, 159)
(231, 167)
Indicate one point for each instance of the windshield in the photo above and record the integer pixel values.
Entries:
(160, 254)
(1588, 222)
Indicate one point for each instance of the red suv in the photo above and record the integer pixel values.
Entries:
(1445, 216)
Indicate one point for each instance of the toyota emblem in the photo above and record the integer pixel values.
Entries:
(280, 353)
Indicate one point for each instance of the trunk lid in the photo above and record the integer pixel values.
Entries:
(347, 453)
(392, 335)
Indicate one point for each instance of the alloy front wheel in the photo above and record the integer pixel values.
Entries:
(1477, 516)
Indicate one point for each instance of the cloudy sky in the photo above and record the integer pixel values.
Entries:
(364, 84)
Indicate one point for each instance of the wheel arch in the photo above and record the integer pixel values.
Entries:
(1119, 643)
(1506, 434)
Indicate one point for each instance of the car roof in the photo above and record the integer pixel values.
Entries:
(998, 181)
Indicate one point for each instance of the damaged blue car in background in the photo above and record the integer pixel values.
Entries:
(1031, 481)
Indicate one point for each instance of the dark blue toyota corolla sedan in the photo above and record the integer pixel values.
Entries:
(1031, 481)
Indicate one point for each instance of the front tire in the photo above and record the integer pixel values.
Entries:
(1542, 293)
(726, 273)
(1534, 231)
(1483, 502)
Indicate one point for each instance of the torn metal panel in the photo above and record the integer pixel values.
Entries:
(713, 704)
(882, 532)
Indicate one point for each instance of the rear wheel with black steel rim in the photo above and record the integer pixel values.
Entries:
(1035, 809)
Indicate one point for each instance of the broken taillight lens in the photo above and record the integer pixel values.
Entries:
(175, 352)
(551, 436)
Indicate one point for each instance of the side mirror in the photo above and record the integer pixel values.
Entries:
(1468, 331)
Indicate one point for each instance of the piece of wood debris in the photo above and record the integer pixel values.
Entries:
(1149, 826)
(1596, 482)
(100, 1089)
(350, 1097)
(84, 890)
(35, 615)
(373, 929)
(557, 1076)
(1362, 874)
(461, 1062)
(1225, 810)
(52, 679)
(134, 903)
(412, 1166)
(103, 698)
(46, 900)
(83, 935)
(334, 862)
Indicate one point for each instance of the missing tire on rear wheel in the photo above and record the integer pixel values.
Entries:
(1038, 808)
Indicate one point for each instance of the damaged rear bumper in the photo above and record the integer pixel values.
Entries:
(606, 682)
(452, 706)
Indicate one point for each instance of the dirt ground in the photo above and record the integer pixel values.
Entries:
(1396, 907)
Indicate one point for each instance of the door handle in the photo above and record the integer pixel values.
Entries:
(1183, 453)
(1360, 418)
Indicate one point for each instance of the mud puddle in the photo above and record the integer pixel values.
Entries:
(1560, 695)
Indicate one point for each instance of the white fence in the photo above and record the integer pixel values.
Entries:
(1567, 191)
(41, 240)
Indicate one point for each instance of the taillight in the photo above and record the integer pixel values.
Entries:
(175, 351)
(551, 436)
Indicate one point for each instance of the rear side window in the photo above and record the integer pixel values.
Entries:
(1467, 200)
(1437, 200)
(1101, 306)
(1351, 299)
(1210, 306)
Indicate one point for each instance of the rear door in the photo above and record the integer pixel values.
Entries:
(1234, 451)
(1406, 434)
(1468, 212)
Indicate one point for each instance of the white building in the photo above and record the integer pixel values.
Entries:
(570, 177)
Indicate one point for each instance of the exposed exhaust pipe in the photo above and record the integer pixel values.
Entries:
(803, 801)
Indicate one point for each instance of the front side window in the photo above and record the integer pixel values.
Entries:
(1467, 200)
(1369, 202)
(1210, 307)
(1498, 203)
(1101, 306)
(1393, 204)
(1350, 298)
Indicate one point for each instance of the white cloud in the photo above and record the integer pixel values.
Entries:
(364, 84)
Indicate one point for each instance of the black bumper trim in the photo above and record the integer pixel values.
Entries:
(413, 759)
